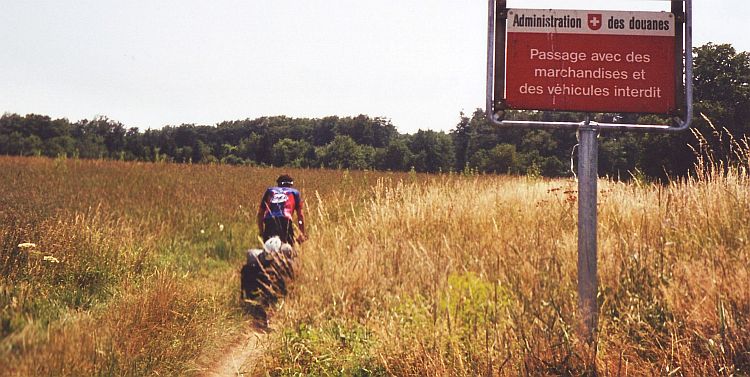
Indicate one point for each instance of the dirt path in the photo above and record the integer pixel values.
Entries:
(234, 357)
(268, 284)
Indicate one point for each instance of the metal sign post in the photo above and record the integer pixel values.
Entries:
(590, 61)
(587, 226)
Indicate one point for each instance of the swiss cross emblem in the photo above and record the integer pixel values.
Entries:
(595, 21)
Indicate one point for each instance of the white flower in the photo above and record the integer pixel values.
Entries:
(50, 258)
(203, 231)
(26, 245)
(221, 227)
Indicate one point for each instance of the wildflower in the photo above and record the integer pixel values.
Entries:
(26, 245)
(203, 231)
(51, 259)
(221, 227)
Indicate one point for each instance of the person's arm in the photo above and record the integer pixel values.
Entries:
(261, 214)
(301, 222)
(260, 222)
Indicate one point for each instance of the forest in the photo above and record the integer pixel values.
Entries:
(722, 112)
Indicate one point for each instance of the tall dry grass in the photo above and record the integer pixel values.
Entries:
(134, 266)
(465, 276)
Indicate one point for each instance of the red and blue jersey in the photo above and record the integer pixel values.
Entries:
(281, 202)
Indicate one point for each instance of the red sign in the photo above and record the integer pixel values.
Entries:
(597, 61)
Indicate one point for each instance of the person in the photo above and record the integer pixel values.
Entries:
(275, 213)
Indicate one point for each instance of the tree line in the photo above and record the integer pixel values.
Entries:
(722, 94)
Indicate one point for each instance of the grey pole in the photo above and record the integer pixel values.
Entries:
(587, 195)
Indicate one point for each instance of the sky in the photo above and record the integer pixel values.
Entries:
(151, 63)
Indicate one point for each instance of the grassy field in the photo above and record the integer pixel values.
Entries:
(134, 271)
